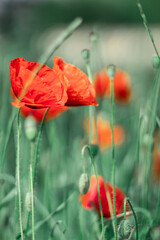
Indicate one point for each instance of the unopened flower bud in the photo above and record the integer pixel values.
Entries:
(93, 37)
(30, 128)
(155, 61)
(83, 183)
(28, 201)
(111, 71)
(94, 149)
(124, 229)
(86, 54)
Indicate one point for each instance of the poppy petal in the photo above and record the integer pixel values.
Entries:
(80, 91)
(46, 89)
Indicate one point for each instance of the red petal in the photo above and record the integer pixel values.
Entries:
(46, 89)
(90, 200)
(120, 196)
(80, 91)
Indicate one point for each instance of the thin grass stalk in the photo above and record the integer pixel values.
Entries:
(18, 175)
(32, 202)
(113, 158)
(35, 164)
(8, 131)
(99, 197)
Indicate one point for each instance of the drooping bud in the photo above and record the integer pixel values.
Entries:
(156, 61)
(30, 128)
(94, 149)
(111, 69)
(124, 229)
(93, 37)
(28, 201)
(86, 54)
(83, 183)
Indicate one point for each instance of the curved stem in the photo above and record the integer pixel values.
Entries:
(135, 217)
(18, 175)
(113, 157)
(99, 198)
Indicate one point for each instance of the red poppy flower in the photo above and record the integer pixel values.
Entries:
(90, 199)
(50, 87)
(122, 87)
(38, 113)
(80, 91)
(46, 89)
(105, 134)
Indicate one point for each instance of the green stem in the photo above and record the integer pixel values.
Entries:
(146, 26)
(151, 131)
(113, 158)
(35, 164)
(135, 217)
(32, 200)
(8, 131)
(18, 174)
(66, 34)
(99, 198)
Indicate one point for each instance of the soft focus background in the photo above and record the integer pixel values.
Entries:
(27, 28)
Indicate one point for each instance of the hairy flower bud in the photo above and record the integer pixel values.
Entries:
(124, 229)
(83, 183)
(30, 128)
(111, 71)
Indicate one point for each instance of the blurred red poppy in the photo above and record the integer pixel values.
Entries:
(122, 86)
(156, 157)
(50, 87)
(105, 134)
(90, 199)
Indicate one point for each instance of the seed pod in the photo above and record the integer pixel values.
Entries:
(94, 149)
(155, 61)
(111, 71)
(124, 229)
(28, 201)
(30, 128)
(83, 183)
(86, 54)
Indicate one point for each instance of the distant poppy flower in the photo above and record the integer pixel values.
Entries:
(80, 91)
(156, 157)
(90, 200)
(104, 133)
(50, 87)
(122, 86)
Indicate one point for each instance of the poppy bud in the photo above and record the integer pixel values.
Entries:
(28, 201)
(83, 183)
(94, 149)
(30, 128)
(86, 54)
(155, 61)
(124, 229)
(147, 140)
(111, 71)
(93, 37)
